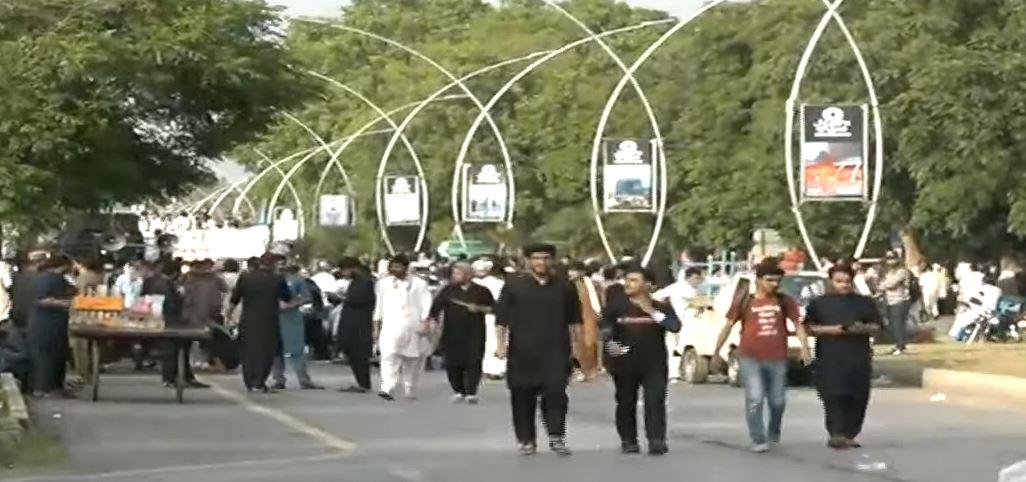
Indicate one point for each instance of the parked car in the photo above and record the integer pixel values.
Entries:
(698, 335)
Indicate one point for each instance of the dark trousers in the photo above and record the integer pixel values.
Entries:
(554, 403)
(653, 385)
(897, 316)
(358, 353)
(169, 361)
(48, 350)
(845, 413)
(464, 377)
(256, 369)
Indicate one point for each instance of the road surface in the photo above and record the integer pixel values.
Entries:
(136, 433)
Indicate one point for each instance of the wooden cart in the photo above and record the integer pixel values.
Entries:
(98, 320)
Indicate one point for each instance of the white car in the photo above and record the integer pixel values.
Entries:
(698, 334)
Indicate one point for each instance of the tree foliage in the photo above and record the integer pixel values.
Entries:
(124, 100)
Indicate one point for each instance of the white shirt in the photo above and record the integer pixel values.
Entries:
(494, 284)
(327, 283)
(402, 306)
(5, 285)
(680, 295)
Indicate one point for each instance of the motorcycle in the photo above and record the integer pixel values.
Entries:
(1000, 322)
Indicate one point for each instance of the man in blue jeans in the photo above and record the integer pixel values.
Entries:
(763, 350)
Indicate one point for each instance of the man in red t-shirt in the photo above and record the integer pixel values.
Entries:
(763, 351)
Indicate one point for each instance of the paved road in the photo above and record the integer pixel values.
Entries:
(138, 434)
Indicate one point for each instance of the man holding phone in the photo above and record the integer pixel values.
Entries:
(843, 322)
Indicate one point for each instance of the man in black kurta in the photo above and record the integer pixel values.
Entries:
(260, 291)
(537, 310)
(462, 306)
(843, 322)
(356, 323)
(634, 328)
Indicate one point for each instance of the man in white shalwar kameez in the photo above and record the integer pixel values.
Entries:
(680, 295)
(404, 339)
(493, 367)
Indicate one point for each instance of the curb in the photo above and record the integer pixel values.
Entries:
(15, 402)
(14, 418)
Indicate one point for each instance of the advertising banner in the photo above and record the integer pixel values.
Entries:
(629, 175)
(485, 194)
(335, 211)
(402, 200)
(834, 150)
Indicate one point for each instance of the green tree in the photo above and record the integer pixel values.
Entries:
(126, 100)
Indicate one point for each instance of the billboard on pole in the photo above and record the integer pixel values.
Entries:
(834, 152)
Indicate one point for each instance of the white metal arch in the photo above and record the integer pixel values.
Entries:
(431, 98)
(217, 192)
(592, 37)
(342, 148)
(608, 109)
(831, 14)
(384, 161)
(295, 195)
(425, 208)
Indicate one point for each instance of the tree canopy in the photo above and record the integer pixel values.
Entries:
(125, 100)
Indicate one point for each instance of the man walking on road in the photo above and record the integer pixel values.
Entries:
(634, 328)
(763, 351)
(485, 275)
(356, 323)
(403, 302)
(843, 322)
(896, 286)
(461, 306)
(293, 334)
(262, 293)
(680, 295)
(536, 313)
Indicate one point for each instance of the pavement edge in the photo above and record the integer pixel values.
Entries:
(14, 416)
(979, 385)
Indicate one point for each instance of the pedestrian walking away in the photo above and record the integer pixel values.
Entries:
(843, 322)
(293, 333)
(634, 328)
(537, 315)
(461, 306)
(261, 291)
(403, 303)
(763, 351)
(356, 323)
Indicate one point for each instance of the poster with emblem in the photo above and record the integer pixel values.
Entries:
(402, 200)
(335, 211)
(485, 194)
(834, 150)
(629, 175)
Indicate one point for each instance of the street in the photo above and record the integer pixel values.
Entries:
(137, 433)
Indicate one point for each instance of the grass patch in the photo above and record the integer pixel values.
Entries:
(36, 450)
(996, 358)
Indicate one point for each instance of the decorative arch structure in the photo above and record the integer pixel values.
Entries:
(592, 37)
(803, 65)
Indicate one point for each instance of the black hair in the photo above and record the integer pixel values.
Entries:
(349, 262)
(401, 259)
(768, 267)
(645, 272)
(692, 271)
(230, 266)
(609, 273)
(841, 268)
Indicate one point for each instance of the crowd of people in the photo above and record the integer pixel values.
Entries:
(535, 321)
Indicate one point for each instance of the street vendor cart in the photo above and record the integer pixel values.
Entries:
(103, 319)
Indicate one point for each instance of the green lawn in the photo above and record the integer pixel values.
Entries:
(996, 358)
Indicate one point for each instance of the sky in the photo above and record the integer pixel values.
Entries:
(329, 7)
